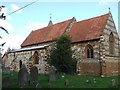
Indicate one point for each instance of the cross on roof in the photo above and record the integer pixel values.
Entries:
(50, 16)
(109, 9)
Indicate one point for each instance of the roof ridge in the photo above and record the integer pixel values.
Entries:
(64, 21)
(54, 24)
(93, 17)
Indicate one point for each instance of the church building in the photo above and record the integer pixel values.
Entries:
(95, 43)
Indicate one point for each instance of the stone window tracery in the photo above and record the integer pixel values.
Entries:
(111, 44)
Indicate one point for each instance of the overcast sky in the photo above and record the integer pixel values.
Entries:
(37, 15)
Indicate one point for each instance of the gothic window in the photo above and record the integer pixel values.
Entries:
(111, 44)
(35, 58)
(89, 51)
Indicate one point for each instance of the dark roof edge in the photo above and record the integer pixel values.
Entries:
(96, 39)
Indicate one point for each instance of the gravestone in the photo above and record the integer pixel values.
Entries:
(6, 82)
(34, 75)
(23, 76)
(113, 82)
(0, 66)
(94, 80)
(52, 74)
(7, 70)
(66, 82)
(37, 85)
(49, 85)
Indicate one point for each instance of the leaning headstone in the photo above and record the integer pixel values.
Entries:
(37, 85)
(23, 76)
(113, 82)
(34, 75)
(6, 82)
(52, 74)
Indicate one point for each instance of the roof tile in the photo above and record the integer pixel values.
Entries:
(81, 31)
(88, 29)
(46, 34)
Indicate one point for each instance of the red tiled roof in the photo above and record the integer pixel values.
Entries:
(81, 31)
(46, 34)
(88, 29)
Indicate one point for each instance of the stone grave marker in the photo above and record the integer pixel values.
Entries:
(49, 85)
(6, 82)
(34, 75)
(23, 76)
(113, 82)
(94, 80)
(0, 66)
(52, 74)
(37, 85)
(7, 70)
(66, 82)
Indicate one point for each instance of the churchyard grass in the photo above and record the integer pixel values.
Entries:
(75, 81)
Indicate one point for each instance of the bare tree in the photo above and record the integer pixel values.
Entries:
(2, 16)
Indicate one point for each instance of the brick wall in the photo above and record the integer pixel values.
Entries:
(90, 67)
(112, 66)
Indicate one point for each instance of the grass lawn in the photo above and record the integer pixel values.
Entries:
(75, 81)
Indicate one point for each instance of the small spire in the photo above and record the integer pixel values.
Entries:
(50, 22)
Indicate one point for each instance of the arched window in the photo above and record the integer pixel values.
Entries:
(89, 51)
(35, 58)
(111, 44)
(20, 64)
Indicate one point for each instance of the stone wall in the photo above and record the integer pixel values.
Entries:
(110, 61)
(79, 49)
(110, 28)
(87, 66)
(25, 56)
(112, 66)
(13, 60)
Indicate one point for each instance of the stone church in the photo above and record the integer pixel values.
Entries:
(95, 43)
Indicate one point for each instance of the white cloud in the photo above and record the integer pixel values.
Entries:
(105, 2)
(6, 24)
(13, 41)
(35, 25)
(15, 7)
